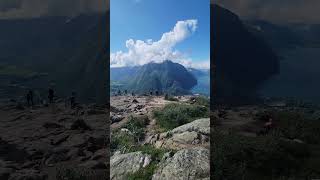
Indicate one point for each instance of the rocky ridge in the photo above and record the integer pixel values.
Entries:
(186, 147)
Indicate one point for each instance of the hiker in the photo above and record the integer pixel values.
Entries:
(38, 97)
(125, 92)
(268, 125)
(51, 95)
(150, 93)
(30, 98)
(157, 93)
(73, 100)
(119, 92)
(132, 93)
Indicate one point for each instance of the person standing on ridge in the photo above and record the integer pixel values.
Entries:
(30, 98)
(73, 100)
(51, 95)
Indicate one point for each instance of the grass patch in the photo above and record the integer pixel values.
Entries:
(298, 126)
(147, 172)
(174, 115)
(124, 141)
(136, 126)
(156, 153)
(265, 157)
(144, 173)
(121, 142)
(201, 101)
(293, 125)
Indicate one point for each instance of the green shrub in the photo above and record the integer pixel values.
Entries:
(121, 141)
(136, 126)
(202, 101)
(174, 115)
(294, 125)
(124, 141)
(144, 173)
(170, 98)
(156, 153)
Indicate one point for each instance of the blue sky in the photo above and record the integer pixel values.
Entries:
(140, 20)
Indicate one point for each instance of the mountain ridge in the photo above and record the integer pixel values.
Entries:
(167, 76)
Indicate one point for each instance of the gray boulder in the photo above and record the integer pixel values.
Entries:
(123, 164)
(193, 134)
(185, 164)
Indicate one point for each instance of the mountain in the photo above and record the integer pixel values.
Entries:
(73, 52)
(286, 36)
(279, 37)
(243, 61)
(298, 45)
(203, 78)
(167, 77)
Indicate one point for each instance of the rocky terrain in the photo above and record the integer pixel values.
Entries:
(178, 153)
(53, 142)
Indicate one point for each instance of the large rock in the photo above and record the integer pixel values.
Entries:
(116, 118)
(123, 164)
(185, 164)
(201, 126)
(193, 134)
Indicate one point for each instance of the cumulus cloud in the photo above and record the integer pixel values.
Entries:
(142, 52)
(283, 11)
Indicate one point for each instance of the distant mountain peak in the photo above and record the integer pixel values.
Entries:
(166, 76)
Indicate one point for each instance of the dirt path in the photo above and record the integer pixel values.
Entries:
(148, 104)
(154, 104)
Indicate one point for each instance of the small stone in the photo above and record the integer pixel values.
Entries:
(80, 124)
(51, 125)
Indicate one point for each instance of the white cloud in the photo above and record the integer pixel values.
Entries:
(197, 65)
(142, 52)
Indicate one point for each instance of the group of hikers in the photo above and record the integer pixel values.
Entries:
(125, 92)
(51, 96)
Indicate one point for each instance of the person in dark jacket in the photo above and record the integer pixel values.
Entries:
(73, 100)
(51, 95)
(30, 98)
